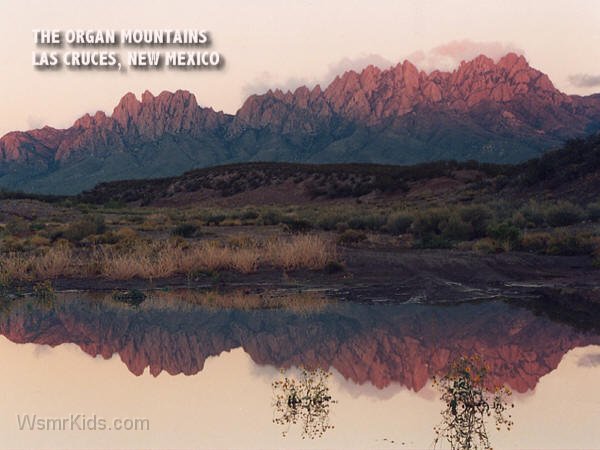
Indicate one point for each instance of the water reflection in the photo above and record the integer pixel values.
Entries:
(408, 344)
(304, 399)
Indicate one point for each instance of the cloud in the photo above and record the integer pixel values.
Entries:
(449, 55)
(357, 64)
(267, 80)
(34, 122)
(589, 360)
(443, 57)
(585, 80)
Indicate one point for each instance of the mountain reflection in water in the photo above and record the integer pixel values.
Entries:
(378, 344)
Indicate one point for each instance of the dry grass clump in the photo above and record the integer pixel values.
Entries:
(137, 258)
(57, 261)
(300, 252)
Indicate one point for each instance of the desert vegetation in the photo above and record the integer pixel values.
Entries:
(117, 243)
(128, 256)
(304, 217)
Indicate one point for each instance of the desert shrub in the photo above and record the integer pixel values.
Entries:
(593, 211)
(596, 253)
(534, 214)
(13, 244)
(108, 237)
(186, 230)
(519, 220)
(296, 225)
(39, 241)
(136, 219)
(249, 215)
(427, 223)
(57, 261)
(302, 252)
(505, 233)
(37, 226)
(563, 243)
(17, 227)
(478, 217)
(399, 223)
(439, 228)
(84, 228)
(486, 245)
(564, 213)
(367, 222)
(271, 217)
(330, 221)
(351, 237)
(241, 241)
(453, 228)
(126, 233)
(340, 227)
(115, 204)
(559, 243)
(215, 219)
(535, 242)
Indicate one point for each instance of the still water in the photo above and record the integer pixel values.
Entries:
(197, 370)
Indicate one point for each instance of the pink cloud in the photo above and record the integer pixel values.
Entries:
(449, 55)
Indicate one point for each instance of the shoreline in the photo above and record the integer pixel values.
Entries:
(392, 275)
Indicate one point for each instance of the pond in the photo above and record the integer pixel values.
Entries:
(191, 369)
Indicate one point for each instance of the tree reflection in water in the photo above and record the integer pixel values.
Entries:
(469, 404)
(305, 400)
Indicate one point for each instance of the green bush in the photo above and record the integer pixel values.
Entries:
(271, 217)
(84, 228)
(215, 219)
(249, 215)
(455, 229)
(534, 214)
(330, 221)
(564, 213)
(351, 237)
(569, 244)
(17, 227)
(371, 222)
(296, 225)
(186, 230)
(535, 242)
(399, 223)
(429, 222)
(593, 211)
(478, 217)
(505, 233)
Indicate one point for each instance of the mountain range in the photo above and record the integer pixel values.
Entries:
(406, 345)
(502, 112)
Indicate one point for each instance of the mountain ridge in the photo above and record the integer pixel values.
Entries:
(489, 111)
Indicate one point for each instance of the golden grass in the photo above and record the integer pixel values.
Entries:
(165, 258)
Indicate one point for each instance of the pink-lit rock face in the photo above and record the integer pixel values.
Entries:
(405, 344)
(375, 95)
(481, 88)
(132, 121)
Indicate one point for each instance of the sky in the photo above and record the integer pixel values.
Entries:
(284, 44)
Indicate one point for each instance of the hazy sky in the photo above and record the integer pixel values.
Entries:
(270, 43)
